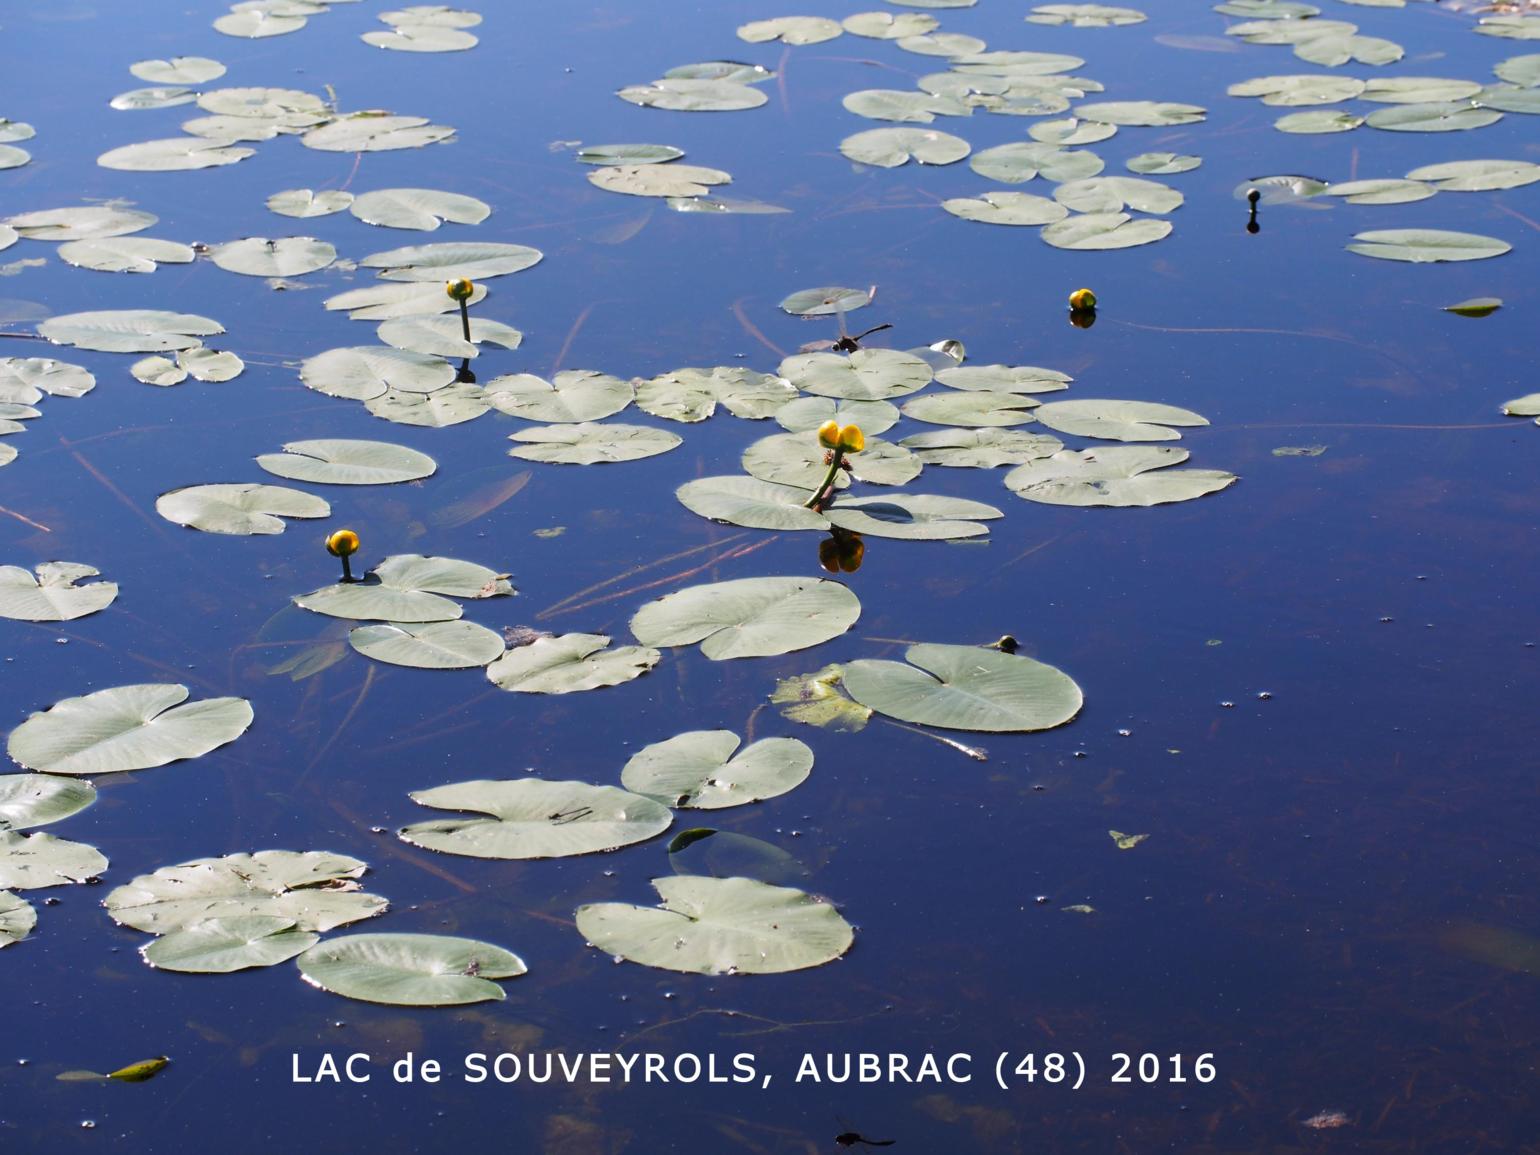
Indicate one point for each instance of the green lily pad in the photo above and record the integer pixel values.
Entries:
(1004, 378)
(1418, 90)
(1453, 116)
(686, 95)
(314, 891)
(912, 516)
(1521, 70)
(818, 699)
(825, 300)
(157, 370)
(808, 413)
(751, 503)
(691, 395)
(889, 25)
(35, 861)
(28, 800)
(892, 147)
(1318, 122)
(285, 257)
(1085, 15)
(449, 260)
(243, 508)
(966, 688)
(1381, 192)
(950, 44)
(576, 395)
(972, 408)
(865, 375)
(1101, 231)
(451, 645)
(612, 154)
(654, 180)
(981, 448)
(1023, 160)
(53, 595)
(1006, 208)
(410, 970)
(904, 106)
(372, 132)
(178, 70)
(338, 461)
(1333, 51)
(451, 405)
(124, 254)
(569, 663)
(790, 30)
(387, 302)
(258, 23)
(1162, 163)
(798, 460)
(24, 380)
(1421, 246)
(1118, 420)
(444, 336)
(1294, 90)
(17, 918)
(717, 926)
(126, 728)
(750, 617)
(697, 770)
(411, 37)
(1118, 476)
(590, 443)
(225, 945)
(1145, 113)
(173, 154)
(1476, 307)
(408, 587)
(1477, 175)
(1526, 406)
(534, 818)
(207, 364)
(1111, 194)
(129, 330)
(417, 208)
(76, 224)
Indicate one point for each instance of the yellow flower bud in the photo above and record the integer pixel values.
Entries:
(851, 439)
(1082, 299)
(343, 543)
(462, 290)
(829, 434)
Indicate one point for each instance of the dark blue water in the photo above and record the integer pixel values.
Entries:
(1313, 692)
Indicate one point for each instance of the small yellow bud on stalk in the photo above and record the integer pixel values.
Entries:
(1082, 300)
(462, 291)
(343, 544)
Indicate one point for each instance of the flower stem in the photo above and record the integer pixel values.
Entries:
(826, 487)
(347, 569)
(465, 318)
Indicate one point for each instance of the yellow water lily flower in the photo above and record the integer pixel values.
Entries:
(343, 543)
(462, 290)
(851, 439)
(829, 434)
(1082, 300)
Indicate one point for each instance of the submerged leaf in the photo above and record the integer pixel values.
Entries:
(818, 699)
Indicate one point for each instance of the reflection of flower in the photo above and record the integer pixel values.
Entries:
(841, 553)
(462, 290)
(1082, 299)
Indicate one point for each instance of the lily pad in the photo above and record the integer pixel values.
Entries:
(160, 96)
(1476, 307)
(451, 405)
(126, 728)
(224, 945)
(1085, 15)
(1333, 51)
(304, 202)
(889, 25)
(444, 336)
(749, 502)
(1477, 175)
(386, 302)
(1381, 192)
(1422, 246)
(1111, 194)
(178, 70)
(891, 147)
(912, 516)
(408, 587)
(618, 154)
(314, 891)
(798, 460)
(1022, 161)
(1317, 122)
(865, 375)
(262, 257)
(653, 180)
(1293, 90)
(1117, 420)
(335, 461)
(1115, 476)
(371, 132)
(981, 448)
(825, 301)
(446, 261)
(1006, 208)
(691, 395)
(534, 818)
(576, 395)
(807, 413)
(257, 24)
(818, 699)
(243, 509)
(685, 95)
(124, 254)
(1071, 131)
(590, 443)
(174, 154)
(35, 861)
(129, 330)
(76, 224)
(452, 645)
(972, 408)
(903, 105)
(212, 365)
(28, 800)
(1101, 231)
(17, 918)
(791, 30)
(420, 38)
(53, 595)
(966, 688)
(410, 970)
(1140, 112)
(362, 372)
(1453, 116)
(750, 617)
(1418, 89)
(418, 208)
(697, 770)
(717, 926)
(568, 663)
